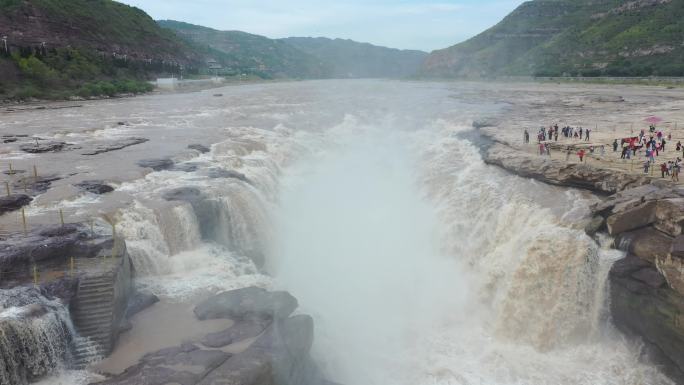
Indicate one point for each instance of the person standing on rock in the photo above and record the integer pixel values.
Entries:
(526, 137)
(581, 154)
(615, 146)
(675, 170)
(663, 170)
(586, 133)
(662, 145)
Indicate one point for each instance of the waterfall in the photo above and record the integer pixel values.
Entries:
(422, 265)
(35, 336)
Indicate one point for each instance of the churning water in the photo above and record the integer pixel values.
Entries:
(420, 264)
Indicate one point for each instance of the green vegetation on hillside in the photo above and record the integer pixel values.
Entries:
(573, 38)
(244, 53)
(62, 48)
(350, 59)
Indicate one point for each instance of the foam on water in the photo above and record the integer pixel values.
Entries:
(421, 265)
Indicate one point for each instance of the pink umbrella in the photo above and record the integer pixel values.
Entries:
(653, 120)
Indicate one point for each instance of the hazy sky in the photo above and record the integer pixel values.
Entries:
(416, 24)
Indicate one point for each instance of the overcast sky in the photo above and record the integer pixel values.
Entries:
(413, 24)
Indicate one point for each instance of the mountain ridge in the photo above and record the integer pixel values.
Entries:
(572, 38)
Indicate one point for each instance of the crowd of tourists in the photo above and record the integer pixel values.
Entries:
(651, 145)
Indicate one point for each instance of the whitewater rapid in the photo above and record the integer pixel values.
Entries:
(420, 264)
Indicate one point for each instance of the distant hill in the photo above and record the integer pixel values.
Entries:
(57, 48)
(573, 38)
(350, 59)
(240, 52)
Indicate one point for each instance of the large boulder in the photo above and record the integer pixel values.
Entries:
(632, 219)
(670, 216)
(646, 243)
(251, 303)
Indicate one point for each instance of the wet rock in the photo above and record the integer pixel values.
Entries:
(646, 243)
(157, 164)
(250, 303)
(95, 187)
(139, 302)
(238, 332)
(642, 305)
(279, 357)
(39, 148)
(36, 186)
(650, 276)
(217, 173)
(185, 365)
(185, 194)
(186, 167)
(595, 225)
(13, 202)
(114, 146)
(484, 122)
(638, 217)
(199, 147)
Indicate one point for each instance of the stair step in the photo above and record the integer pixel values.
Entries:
(93, 301)
(92, 311)
(99, 283)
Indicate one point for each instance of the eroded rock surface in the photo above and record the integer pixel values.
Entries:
(42, 147)
(13, 202)
(95, 187)
(101, 148)
(561, 173)
(250, 303)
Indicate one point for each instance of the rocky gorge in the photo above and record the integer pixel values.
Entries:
(645, 216)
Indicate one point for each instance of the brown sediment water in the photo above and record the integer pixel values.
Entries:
(165, 324)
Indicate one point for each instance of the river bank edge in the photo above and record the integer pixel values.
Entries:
(645, 217)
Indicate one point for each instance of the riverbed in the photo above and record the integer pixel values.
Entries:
(370, 202)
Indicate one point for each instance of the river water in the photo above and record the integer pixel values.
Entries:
(370, 203)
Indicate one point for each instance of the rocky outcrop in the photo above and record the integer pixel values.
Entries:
(35, 335)
(647, 287)
(76, 270)
(647, 220)
(274, 347)
(101, 148)
(39, 148)
(199, 147)
(250, 303)
(561, 173)
(157, 164)
(95, 187)
(13, 202)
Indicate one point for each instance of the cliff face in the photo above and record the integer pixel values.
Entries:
(573, 37)
(647, 220)
(105, 26)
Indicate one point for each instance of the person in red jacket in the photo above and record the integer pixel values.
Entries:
(581, 154)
